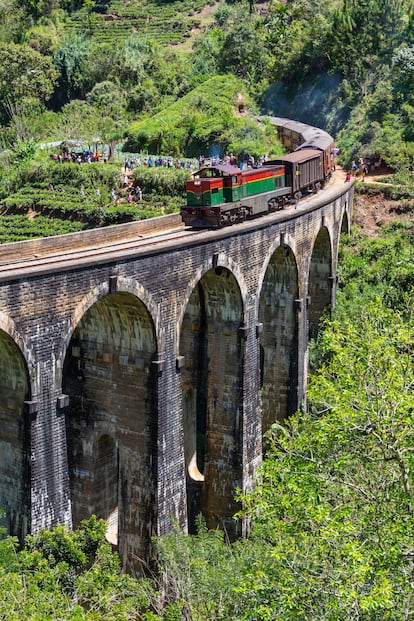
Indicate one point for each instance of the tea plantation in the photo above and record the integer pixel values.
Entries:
(165, 22)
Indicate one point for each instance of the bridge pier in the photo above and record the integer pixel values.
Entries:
(50, 497)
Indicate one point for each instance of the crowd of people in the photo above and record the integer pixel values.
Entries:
(150, 162)
(363, 167)
(130, 162)
(84, 157)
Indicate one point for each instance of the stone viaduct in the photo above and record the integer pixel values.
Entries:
(138, 385)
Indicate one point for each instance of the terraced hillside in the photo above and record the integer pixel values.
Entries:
(167, 22)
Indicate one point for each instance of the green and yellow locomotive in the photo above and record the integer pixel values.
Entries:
(220, 195)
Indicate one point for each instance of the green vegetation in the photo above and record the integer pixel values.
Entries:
(70, 576)
(213, 114)
(341, 65)
(18, 228)
(166, 22)
(332, 515)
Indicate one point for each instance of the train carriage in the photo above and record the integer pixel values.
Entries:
(295, 136)
(221, 195)
(322, 142)
(304, 170)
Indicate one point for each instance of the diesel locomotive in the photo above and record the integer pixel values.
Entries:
(219, 195)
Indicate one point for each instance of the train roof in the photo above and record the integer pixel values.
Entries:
(296, 156)
(295, 126)
(319, 140)
(312, 137)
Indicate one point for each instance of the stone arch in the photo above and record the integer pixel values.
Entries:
(219, 260)
(320, 281)
(127, 285)
(211, 343)
(15, 423)
(279, 338)
(7, 325)
(111, 380)
(345, 224)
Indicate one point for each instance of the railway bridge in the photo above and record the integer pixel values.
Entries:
(141, 365)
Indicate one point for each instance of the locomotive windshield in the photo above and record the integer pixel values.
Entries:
(216, 171)
(207, 172)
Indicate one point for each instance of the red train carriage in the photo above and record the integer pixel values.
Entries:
(220, 195)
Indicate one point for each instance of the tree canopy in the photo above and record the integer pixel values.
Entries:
(340, 65)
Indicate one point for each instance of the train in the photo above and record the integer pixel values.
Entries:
(220, 194)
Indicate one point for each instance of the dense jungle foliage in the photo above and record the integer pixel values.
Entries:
(331, 517)
(88, 68)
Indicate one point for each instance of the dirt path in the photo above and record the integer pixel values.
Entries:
(373, 210)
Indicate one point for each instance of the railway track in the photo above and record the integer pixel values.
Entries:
(15, 267)
(92, 254)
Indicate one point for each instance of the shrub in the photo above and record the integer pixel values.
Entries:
(162, 181)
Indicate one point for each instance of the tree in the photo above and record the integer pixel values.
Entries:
(244, 51)
(24, 120)
(12, 21)
(365, 33)
(37, 8)
(71, 61)
(334, 510)
(70, 576)
(24, 73)
(79, 121)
